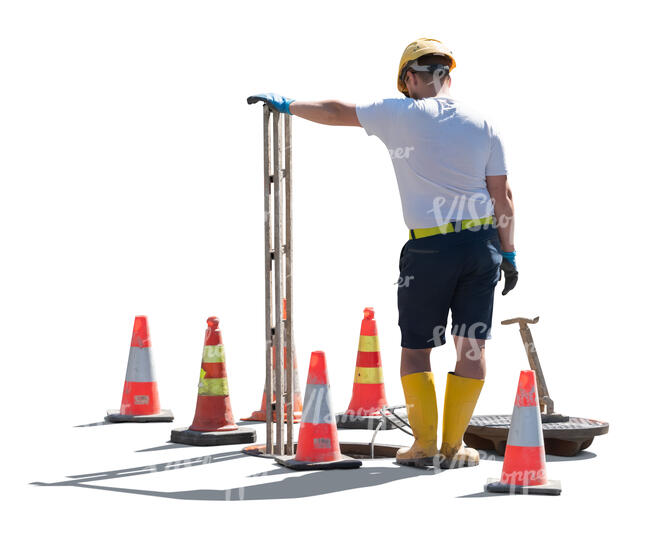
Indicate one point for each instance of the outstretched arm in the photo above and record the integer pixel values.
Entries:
(330, 112)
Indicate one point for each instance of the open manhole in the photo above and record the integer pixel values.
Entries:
(565, 438)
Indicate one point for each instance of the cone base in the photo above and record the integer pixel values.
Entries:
(348, 421)
(552, 487)
(259, 450)
(290, 462)
(114, 416)
(359, 450)
(240, 435)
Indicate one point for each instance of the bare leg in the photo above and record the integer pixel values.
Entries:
(415, 361)
(470, 357)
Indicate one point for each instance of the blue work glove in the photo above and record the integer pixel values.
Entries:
(274, 101)
(509, 269)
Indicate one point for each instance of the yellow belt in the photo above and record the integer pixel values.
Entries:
(450, 227)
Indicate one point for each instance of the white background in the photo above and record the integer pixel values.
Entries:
(132, 184)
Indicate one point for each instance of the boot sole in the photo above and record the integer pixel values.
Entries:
(420, 462)
(446, 464)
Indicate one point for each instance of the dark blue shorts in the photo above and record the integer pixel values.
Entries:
(455, 271)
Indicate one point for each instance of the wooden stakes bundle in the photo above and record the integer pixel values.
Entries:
(278, 280)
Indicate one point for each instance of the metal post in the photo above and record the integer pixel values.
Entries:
(268, 280)
(288, 251)
(278, 281)
(278, 277)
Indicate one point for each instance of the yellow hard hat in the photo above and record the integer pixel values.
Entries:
(421, 47)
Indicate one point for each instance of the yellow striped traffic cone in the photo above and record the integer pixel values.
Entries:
(214, 423)
(368, 394)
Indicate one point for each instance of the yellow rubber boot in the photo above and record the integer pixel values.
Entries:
(460, 399)
(422, 410)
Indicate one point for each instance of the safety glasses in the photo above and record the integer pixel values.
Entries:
(437, 69)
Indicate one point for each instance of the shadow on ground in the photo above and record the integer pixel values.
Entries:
(95, 424)
(291, 487)
(169, 446)
(305, 485)
(481, 494)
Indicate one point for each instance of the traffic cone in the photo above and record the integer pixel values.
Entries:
(318, 443)
(368, 394)
(140, 396)
(524, 464)
(260, 415)
(214, 423)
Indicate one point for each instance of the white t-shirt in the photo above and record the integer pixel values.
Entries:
(441, 153)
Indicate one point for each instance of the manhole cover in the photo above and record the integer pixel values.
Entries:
(490, 432)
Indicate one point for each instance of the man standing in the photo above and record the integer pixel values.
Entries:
(450, 167)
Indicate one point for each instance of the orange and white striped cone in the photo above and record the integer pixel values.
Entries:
(368, 394)
(318, 442)
(214, 423)
(524, 463)
(140, 401)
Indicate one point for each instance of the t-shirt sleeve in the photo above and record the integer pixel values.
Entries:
(496, 164)
(378, 118)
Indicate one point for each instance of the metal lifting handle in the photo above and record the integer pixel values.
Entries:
(533, 360)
